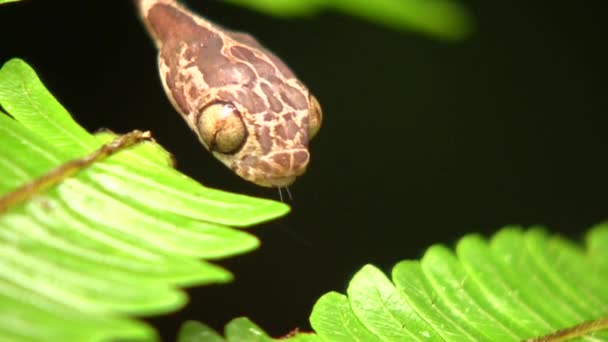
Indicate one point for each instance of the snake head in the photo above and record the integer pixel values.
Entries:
(246, 106)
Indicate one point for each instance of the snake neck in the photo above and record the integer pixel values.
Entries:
(144, 8)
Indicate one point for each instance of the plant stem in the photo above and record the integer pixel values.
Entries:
(572, 332)
(67, 169)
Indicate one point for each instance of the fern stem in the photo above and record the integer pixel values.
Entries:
(67, 169)
(572, 332)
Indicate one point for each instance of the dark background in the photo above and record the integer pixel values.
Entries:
(423, 140)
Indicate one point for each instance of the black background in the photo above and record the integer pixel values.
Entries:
(423, 140)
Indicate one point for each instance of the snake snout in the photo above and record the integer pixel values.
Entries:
(289, 163)
(281, 168)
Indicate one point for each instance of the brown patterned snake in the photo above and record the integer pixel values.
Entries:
(246, 106)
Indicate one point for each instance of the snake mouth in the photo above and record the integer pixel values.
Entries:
(275, 182)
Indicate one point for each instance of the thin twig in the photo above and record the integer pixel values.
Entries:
(67, 169)
(572, 332)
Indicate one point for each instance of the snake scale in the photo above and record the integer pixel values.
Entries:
(245, 105)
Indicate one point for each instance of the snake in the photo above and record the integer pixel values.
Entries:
(246, 106)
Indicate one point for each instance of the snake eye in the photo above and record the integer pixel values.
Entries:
(316, 117)
(221, 128)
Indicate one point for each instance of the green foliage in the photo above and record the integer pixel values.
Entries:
(239, 329)
(114, 240)
(517, 285)
(441, 18)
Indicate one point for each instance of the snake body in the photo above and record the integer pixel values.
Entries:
(246, 106)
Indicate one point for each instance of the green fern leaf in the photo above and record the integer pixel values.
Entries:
(117, 239)
(519, 285)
